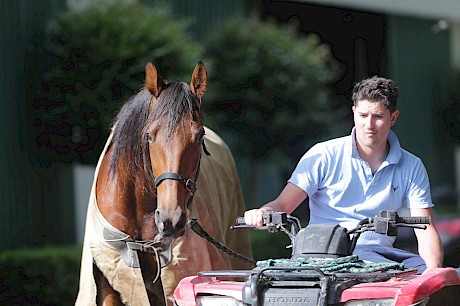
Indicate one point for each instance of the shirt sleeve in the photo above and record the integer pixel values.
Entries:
(309, 171)
(418, 194)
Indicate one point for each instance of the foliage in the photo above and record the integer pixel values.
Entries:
(98, 57)
(270, 85)
(46, 276)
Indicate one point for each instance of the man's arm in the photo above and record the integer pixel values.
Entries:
(429, 242)
(288, 200)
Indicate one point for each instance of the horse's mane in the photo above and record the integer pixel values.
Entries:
(129, 138)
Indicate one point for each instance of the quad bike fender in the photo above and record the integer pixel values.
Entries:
(189, 287)
(406, 290)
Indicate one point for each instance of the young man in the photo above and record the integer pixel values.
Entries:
(354, 177)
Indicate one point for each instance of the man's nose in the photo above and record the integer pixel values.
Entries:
(370, 121)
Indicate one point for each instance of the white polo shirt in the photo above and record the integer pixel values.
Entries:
(342, 189)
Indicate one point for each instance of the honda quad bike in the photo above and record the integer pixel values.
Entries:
(322, 271)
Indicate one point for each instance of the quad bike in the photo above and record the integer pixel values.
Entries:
(322, 271)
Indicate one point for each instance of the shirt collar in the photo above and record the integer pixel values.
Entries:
(394, 155)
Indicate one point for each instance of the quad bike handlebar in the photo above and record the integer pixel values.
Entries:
(387, 223)
(384, 223)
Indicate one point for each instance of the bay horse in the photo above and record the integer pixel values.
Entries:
(145, 190)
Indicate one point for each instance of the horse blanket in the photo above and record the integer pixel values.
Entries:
(217, 202)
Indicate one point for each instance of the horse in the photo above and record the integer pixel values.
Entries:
(151, 178)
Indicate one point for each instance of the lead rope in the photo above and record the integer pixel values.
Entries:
(196, 227)
(157, 259)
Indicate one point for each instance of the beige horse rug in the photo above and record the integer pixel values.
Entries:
(216, 204)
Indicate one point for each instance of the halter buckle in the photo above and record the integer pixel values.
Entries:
(190, 185)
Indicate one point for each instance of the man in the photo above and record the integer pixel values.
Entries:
(354, 177)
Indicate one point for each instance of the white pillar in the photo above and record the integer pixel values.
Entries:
(455, 44)
(83, 176)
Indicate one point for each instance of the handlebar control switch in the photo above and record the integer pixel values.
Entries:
(274, 218)
(385, 223)
(385, 226)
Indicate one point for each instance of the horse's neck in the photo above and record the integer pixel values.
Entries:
(125, 200)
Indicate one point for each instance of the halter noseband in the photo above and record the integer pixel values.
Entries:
(188, 183)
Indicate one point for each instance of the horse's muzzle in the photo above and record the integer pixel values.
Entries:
(170, 224)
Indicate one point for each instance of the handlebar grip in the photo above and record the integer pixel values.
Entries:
(270, 218)
(415, 220)
(240, 221)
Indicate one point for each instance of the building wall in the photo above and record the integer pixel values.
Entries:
(426, 9)
(419, 60)
(206, 14)
(36, 205)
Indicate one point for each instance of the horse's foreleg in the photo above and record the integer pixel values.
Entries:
(152, 279)
(106, 296)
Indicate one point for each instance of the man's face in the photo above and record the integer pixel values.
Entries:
(373, 122)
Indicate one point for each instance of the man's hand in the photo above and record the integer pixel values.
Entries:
(254, 217)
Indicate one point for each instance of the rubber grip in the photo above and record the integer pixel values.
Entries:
(415, 220)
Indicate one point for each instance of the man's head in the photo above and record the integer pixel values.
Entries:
(377, 89)
(374, 110)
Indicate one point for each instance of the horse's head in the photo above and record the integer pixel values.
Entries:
(174, 134)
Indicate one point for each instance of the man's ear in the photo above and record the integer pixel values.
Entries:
(394, 117)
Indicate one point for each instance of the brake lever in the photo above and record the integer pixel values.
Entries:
(417, 226)
(260, 228)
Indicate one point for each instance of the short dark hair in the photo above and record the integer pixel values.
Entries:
(377, 89)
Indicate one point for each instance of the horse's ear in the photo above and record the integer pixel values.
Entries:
(153, 82)
(199, 80)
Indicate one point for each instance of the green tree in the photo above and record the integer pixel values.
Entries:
(98, 55)
(270, 85)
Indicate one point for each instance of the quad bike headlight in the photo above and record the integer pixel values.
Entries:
(371, 302)
(217, 300)
(383, 302)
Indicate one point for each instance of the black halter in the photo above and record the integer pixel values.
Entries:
(187, 182)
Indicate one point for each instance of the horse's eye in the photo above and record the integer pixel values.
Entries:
(201, 138)
(148, 136)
